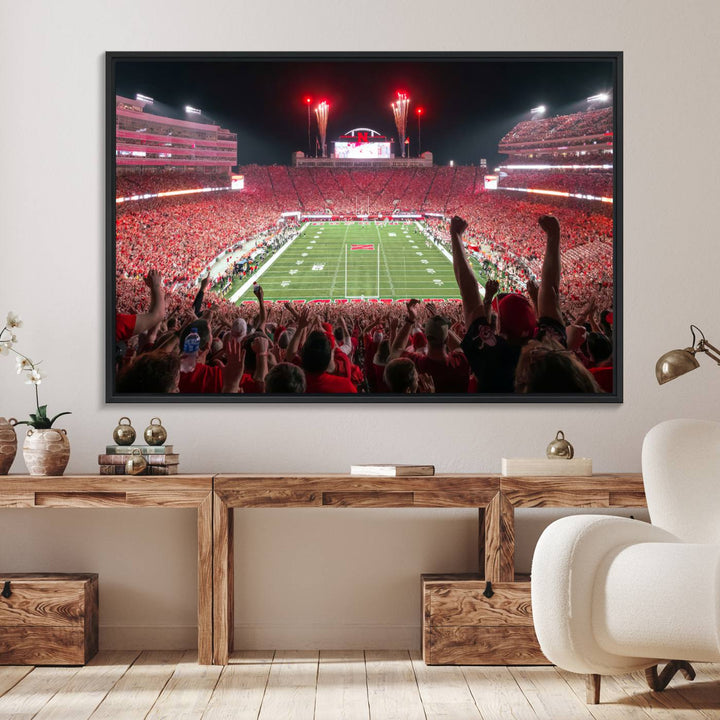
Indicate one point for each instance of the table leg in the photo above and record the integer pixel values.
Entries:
(223, 581)
(205, 579)
(481, 541)
(499, 540)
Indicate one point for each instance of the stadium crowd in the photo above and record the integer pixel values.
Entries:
(128, 184)
(525, 341)
(181, 236)
(596, 183)
(546, 130)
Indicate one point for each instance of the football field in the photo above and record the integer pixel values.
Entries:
(356, 260)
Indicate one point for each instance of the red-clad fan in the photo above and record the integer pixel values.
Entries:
(449, 370)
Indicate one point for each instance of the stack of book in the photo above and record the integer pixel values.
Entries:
(160, 459)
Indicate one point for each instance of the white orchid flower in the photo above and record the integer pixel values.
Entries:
(13, 320)
(23, 364)
(35, 377)
(5, 346)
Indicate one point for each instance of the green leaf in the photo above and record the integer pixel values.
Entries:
(67, 412)
(34, 418)
(42, 411)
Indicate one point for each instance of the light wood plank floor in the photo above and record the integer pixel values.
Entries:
(350, 685)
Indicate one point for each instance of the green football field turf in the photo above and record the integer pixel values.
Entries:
(322, 264)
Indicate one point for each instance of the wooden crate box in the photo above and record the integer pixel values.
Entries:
(461, 626)
(48, 618)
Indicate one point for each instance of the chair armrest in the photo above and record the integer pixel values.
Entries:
(658, 599)
(565, 563)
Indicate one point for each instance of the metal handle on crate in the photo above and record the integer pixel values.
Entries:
(6, 592)
(488, 592)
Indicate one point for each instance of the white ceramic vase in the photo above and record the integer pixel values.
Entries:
(47, 451)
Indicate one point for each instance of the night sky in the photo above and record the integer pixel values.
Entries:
(468, 104)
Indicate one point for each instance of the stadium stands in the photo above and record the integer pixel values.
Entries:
(592, 124)
(585, 182)
(144, 183)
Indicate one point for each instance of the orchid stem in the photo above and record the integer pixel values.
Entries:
(30, 362)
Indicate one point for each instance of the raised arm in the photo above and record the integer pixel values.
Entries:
(233, 371)
(295, 341)
(455, 336)
(292, 311)
(197, 303)
(491, 289)
(156, 312)
(464, 275)
(262, 316)
(401, 339)
(549, 292)
(260, 345)
(532, 290)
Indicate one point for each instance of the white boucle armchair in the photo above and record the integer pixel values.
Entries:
(613, 595)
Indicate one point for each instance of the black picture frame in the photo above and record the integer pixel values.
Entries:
(113, 58)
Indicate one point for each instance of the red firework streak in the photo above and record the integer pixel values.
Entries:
(362, 247)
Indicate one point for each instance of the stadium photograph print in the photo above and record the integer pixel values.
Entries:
(367, 227)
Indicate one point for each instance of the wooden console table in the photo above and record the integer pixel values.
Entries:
(215, 497)
(495, 497)
(125, 491)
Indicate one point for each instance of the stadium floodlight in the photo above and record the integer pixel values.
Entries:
(190, 110)
(539, 110)
(308, 101)
(600, 97)
(144, 98)
(419, 112)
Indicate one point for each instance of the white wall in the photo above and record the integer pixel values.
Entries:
(330, 578)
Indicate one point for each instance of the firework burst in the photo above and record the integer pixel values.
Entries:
(321, 113)
(400, 113)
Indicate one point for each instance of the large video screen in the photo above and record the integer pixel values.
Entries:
(362, 150)
(365, 229)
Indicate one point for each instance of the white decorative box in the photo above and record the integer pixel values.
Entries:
(556, 467)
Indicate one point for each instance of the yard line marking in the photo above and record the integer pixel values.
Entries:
(338, 263)
(385, 262)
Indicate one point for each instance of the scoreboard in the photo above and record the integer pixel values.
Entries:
(362, 150)
(362, 143)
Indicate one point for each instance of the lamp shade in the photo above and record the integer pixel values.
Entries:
(675, 363)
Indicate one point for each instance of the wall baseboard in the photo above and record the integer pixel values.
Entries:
(148, 637)
(265, 637)
(327, 637)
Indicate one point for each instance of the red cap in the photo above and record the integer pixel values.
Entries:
(517, 317)
(419, 340)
